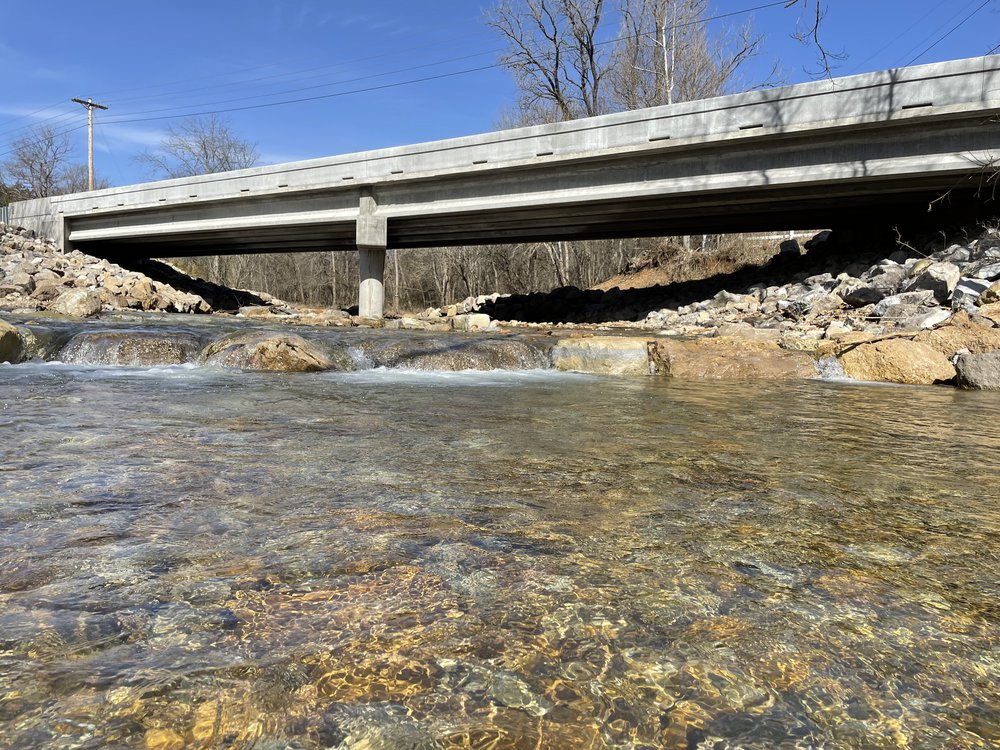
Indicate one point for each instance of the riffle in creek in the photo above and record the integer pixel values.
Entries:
(425, 541)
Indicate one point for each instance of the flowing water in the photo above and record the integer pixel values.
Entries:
(405, 558)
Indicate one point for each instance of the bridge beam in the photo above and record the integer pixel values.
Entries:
(371, 241)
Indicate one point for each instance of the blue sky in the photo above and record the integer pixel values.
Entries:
(151, 61)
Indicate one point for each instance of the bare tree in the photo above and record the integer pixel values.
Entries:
(664, 54)
(201, 145)
(554, 56)
(75, 179)
(37, 162)
(808, 32)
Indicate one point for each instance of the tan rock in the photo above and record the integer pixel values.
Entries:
(278, 352)
(991, 312)
(48, 289)
(12, 343)
(729, 359)
(78, 303)
(990, 296)
(897, 361)
(471, 322)
(602, 355)
(747, 331)
(976, 334)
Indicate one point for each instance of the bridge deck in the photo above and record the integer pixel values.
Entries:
(781, 158)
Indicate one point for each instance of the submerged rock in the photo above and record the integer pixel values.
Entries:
(897, 361)
(979, 371)
(260, 350)
(729, 359)
(130, 348)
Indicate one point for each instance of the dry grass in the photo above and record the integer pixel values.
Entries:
(670, 262)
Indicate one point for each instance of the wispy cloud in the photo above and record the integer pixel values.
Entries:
(115, 134)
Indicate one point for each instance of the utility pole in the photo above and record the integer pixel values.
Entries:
(91, 106)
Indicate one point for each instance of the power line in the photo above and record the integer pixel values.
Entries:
(317, 86)
(31, 114)
(859, 67)
(128, 117)
(955, 28)
(393, 72)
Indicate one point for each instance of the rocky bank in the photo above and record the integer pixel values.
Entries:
(926, 314)
(918, 316)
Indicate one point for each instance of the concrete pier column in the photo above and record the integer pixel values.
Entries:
(371, 297)
(371, 241)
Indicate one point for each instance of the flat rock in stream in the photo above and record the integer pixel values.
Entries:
(602, 355)
(724, 358)
(897, 361)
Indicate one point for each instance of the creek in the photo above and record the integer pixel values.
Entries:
(425, 555)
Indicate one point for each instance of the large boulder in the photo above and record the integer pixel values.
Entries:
(888, 276)
(938, 278)
(78, 303)
(897, 361)
(12, 343)
(277, 352)
(900, 307)
(729, 359)
(858, 293)
(979, 371)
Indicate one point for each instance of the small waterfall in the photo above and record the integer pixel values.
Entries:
(135, 348)
(829, 368)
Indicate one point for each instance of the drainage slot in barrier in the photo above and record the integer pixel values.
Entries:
(917, 106)
(752, 127)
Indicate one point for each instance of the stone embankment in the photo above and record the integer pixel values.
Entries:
(35, 276)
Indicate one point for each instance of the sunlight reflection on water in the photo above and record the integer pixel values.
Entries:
(198, 558)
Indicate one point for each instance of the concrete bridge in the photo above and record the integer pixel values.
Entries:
(869, 147)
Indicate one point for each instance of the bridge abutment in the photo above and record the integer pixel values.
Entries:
(371, 241)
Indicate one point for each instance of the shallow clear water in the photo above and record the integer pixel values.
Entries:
(192, 557)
